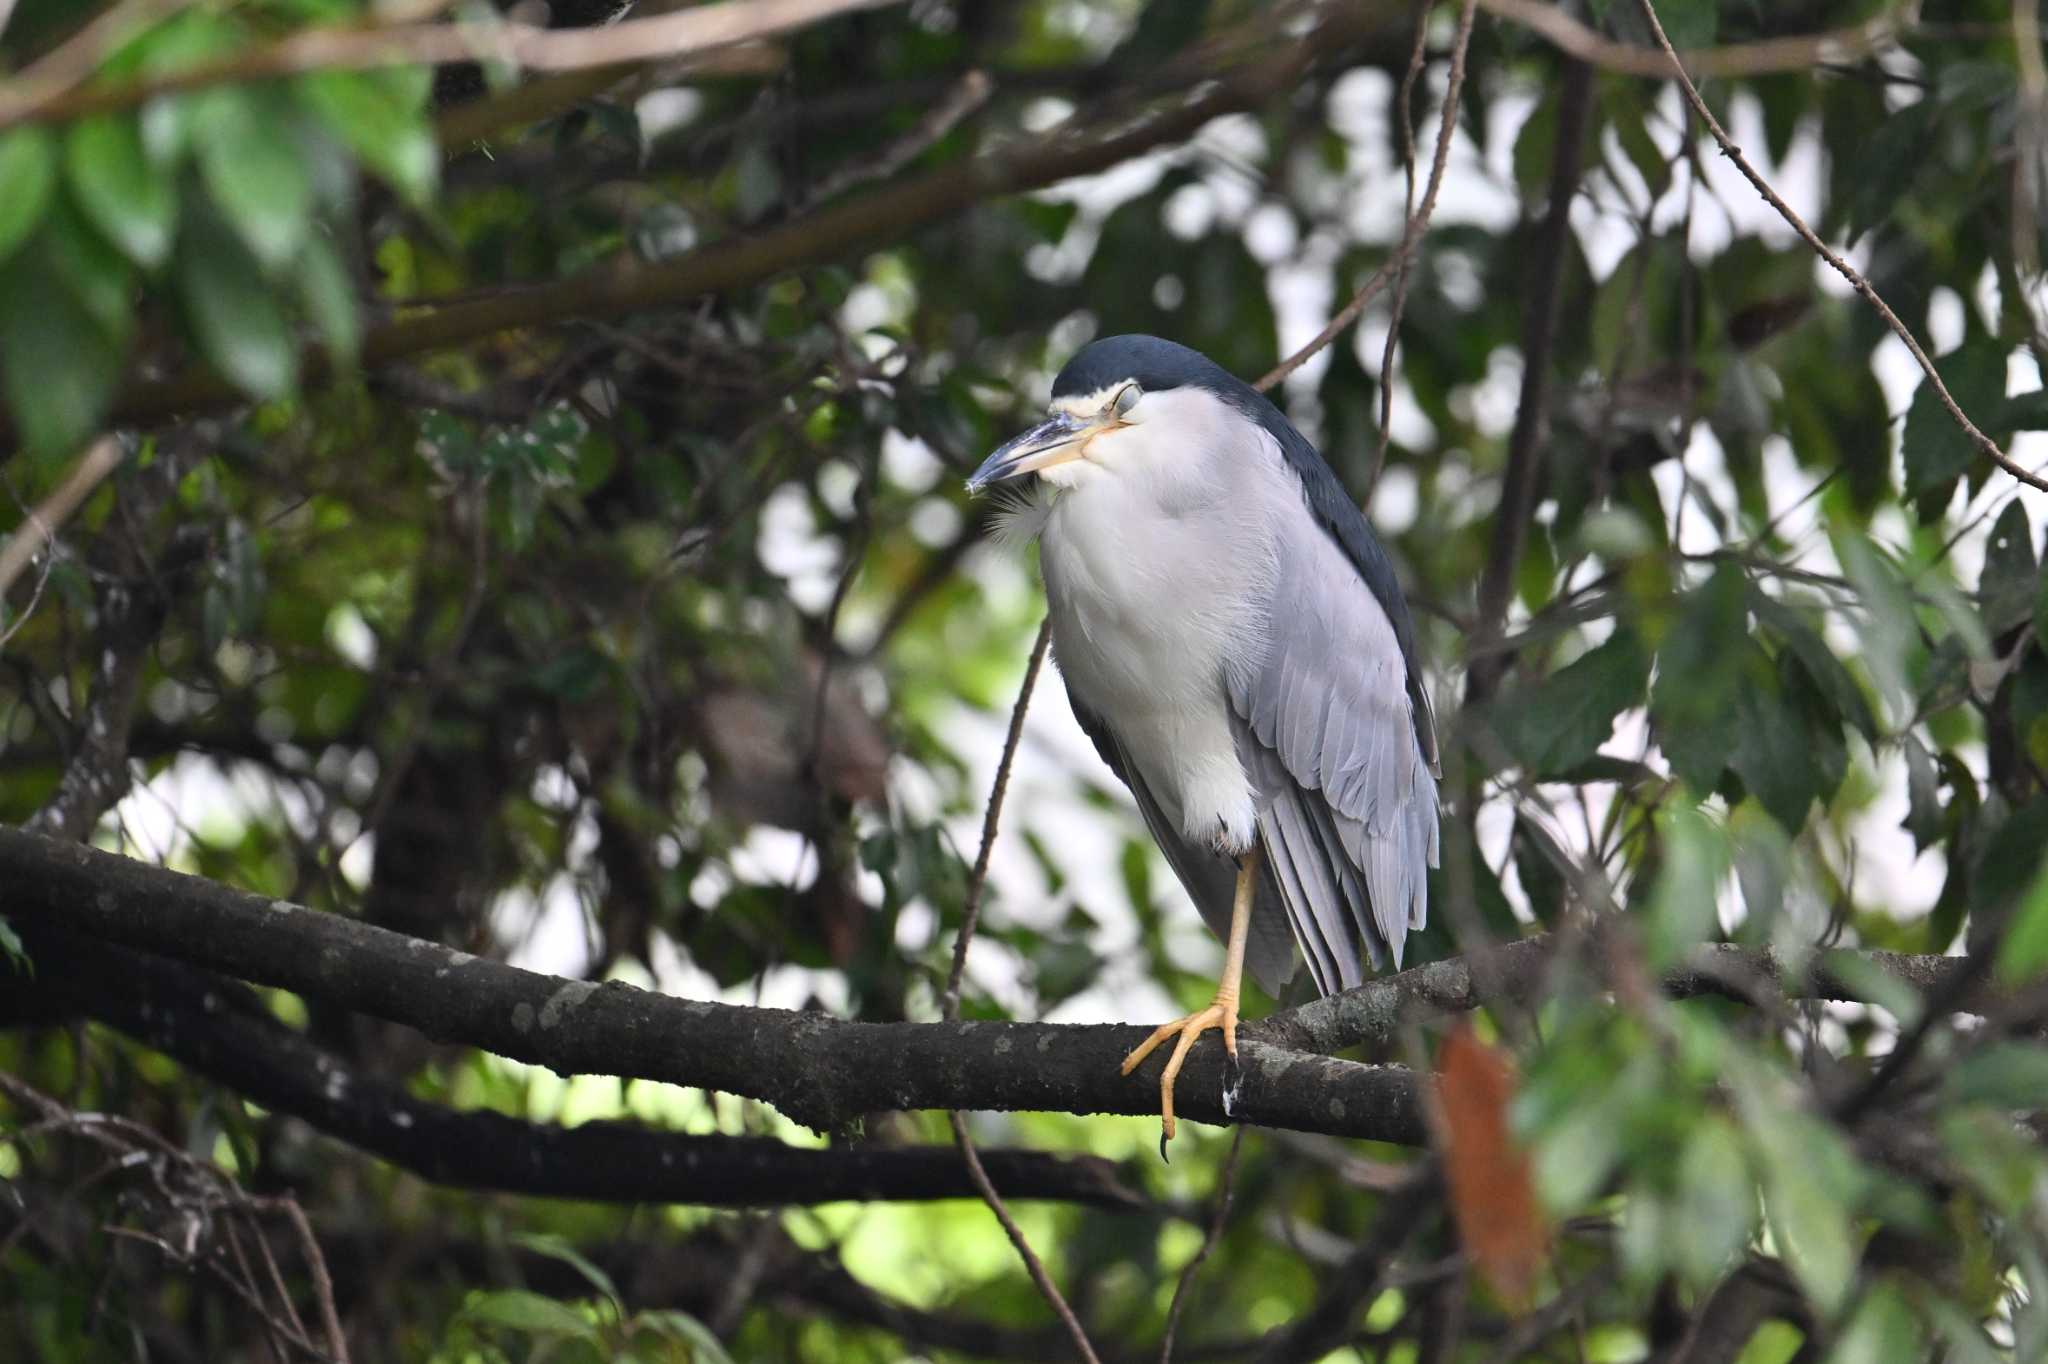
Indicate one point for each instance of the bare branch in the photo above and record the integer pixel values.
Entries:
(1411, 235)
(1226, 1185)
(977, 880)
(215, 1028)
(39, 528)
(971, 912)
(1418, 222)
(42, 96)
(1376, 1011)
(821, 1071)
(1251, 67)
(967, 96)
(1984, 443)
(1801, 52)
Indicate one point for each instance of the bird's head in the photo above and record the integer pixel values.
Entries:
(1121, 402)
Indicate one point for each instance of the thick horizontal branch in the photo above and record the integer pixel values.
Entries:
(824, 1071)
(215, 1028)
(821, 1071)
(1251, 70)
(1375, 1011)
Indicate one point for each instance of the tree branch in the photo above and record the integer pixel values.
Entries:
(43, 97)
(214, 1027)
(1265, 60)
(134, 601)
(1522, 479)
(1795, 52)
(821, 1071)
(1989, 447)
(1376, 1011)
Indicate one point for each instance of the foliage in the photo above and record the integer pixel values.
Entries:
(661, 643)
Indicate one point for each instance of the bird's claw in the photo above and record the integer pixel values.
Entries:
(1222, 1014)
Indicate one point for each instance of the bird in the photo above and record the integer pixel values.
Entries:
(1234, 640)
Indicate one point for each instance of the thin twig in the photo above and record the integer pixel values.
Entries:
(1032, 1263)
(970, 913)
(1801, 52)
(1841, 267)
(316, 1268)
(1411, 234)
(1418, 222)
(1406, 99)
(967, 95)
(1226, 1186)
(39, 528)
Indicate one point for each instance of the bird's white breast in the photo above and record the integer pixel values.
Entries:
(1158, 568)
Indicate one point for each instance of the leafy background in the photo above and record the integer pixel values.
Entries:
(662, 644)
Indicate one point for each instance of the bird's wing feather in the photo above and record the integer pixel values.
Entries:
(1209, 877)
(1326, 730)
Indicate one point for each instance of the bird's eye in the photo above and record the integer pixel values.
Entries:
(1128, 399)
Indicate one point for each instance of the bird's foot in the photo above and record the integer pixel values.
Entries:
(1221, 1013)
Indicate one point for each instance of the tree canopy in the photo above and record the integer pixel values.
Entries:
(524, 839)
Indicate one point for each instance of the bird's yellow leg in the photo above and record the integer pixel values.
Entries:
(1222, 1011)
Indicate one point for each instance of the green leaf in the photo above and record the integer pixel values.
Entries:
(1563, 720)
(128, 198)
(1936, 449)
(379, 115)
(1923, 794)
(58, 363)
(1689, 23)
(233, 316)
(2024, 952)
(11, 947)
(686, 1329)
(329, 297)
(1875, 985)
(2005, 1074)
(2003, 1165)
(1809, 1178)
(256, 172)
(1774, 754)
(28, 168)
(1693, 700)
(1763, 865)
(558, 1248)
(530, 1312)
(1694, 856)
(1891, 639)
(1883, 1331)
(1539, 863)
(1818, 660)
(1716, 1201)
(98, 276)
(2011, 577)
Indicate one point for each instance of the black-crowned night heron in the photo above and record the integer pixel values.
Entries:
(1235, 642)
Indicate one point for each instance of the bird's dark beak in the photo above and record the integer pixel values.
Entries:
(1055, 440)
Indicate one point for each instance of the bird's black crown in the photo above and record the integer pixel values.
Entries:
(1156, 364)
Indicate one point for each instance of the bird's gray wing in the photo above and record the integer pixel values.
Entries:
(1326, 730)
(1209, 877)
